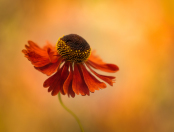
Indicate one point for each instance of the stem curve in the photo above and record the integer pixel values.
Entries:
(68, 110)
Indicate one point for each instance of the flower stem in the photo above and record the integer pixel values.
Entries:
(68, 110)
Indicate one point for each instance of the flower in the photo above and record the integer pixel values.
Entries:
(71, 61)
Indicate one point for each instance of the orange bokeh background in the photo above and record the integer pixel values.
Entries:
(136, 35)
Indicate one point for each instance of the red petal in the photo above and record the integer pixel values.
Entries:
(53, 83)
(49, 68)
(68, 81)
(50, 80)
(40, 57)
(67, 86)
(70, 91)
(60, 81)
(108, 79)
(92, 83)
(78, 84)
(84, 85)
(104, 67)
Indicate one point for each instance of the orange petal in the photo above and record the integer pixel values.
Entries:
(104, 67)
(53, 56)
(78, 84)
(39, 57)
(108, 79)
(49, 45)
(60, 81)
(95, 58)
(36, 55)
(92, 83)
(50, 68)
(52, 52)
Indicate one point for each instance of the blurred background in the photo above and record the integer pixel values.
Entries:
(136, 35)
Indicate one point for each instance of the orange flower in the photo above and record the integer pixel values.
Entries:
(71, 61)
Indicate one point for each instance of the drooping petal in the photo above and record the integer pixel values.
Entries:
(70, 91)
(84, 85)
(78, 84)
(108, 79)
(61, 80)
(97, 63)
(50, 68)
(54, 83)
(51, 79)
(75, 82)
(103, 67)
(64, 76)
(92, 83)
(39, 57)
(67, 86)
(68, 81)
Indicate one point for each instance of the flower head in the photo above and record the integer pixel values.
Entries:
(71, 62)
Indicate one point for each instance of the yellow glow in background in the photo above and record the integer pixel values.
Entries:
(136, 35)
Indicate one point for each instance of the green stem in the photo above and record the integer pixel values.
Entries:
(77, 119)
